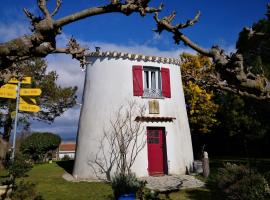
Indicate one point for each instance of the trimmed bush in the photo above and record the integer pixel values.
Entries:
(37, 145)
(238, 182)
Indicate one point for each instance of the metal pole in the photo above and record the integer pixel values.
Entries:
(16, 119)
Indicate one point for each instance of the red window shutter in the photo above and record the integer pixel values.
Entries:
(166, 85)
(137, 80)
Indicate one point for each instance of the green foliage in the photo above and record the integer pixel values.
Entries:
(25, 190)
(237, 182)
(150, 195)
(65, 158)
(256, 47)
(37, 145)
(200, 105)
(267, 177)
(19, 167)
(54, 99)
(241, 117)
(126, 184)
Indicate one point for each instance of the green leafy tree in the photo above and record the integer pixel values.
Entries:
(37, 145)
(54, 99)
(244, 123)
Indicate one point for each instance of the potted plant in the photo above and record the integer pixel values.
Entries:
(125, 186)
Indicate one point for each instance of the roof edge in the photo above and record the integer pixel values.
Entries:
(132, 56)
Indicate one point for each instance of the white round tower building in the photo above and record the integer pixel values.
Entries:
(112, 79)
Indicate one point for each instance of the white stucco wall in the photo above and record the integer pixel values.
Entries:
(70, 154)
(109, 84)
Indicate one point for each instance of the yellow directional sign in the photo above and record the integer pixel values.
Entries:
(30, 101)
(29, 107)
(9, 87)
(30, 91)
(8, 91)
(25, 80)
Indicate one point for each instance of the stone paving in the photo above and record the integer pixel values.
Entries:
(165, 183)
(172, 182)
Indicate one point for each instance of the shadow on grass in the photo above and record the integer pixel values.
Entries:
(67, 165)
(200, 194)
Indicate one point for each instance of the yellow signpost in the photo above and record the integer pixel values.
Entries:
(30, 91)
(10, 94)
(14, 91)
(30, 101)
(8, 91)
(25, 80)
(29, 107)
(9, 87)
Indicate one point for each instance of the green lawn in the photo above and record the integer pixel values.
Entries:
(51, 185)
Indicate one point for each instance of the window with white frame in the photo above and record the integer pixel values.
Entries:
(151, 82)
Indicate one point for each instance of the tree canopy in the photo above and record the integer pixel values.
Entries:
(54, 99)
(201, 107)
(37, 145)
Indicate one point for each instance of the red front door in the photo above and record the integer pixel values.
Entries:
(157, 154)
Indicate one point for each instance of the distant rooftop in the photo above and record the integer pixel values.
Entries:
(67, 146)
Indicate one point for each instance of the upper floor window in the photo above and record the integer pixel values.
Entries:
(151, 82)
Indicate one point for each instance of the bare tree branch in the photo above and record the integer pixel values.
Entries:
(58, 5)
(42, 41)
(121, 143)
(229, 68)
(43, 7)
(126, 9)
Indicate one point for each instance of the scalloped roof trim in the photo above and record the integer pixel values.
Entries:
(131, 56)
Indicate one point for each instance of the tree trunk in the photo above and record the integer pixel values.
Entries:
(3, 151)
(4, 141)
(7, 128)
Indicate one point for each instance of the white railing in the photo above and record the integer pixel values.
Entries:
(154, 93)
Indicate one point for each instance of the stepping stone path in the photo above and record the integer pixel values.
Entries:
(159, 183)
(170, 183)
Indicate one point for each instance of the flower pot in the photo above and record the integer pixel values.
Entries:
(127, 197)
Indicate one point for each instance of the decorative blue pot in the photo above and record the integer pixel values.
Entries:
(127, 197)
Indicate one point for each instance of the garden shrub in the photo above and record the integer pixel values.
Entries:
(25, 191)
(126, 184)
(267, 177)
(19, 167)
(238, 182)
(66, 157)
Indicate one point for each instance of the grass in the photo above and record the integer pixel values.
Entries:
(51, 185)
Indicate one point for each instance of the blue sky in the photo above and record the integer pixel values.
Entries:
(220, 23)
